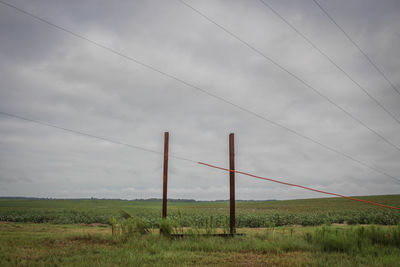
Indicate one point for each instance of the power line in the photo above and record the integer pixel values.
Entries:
(299, 186)
(92, 136)
(264, 2)
(358, 47)
(275, 63)
(202, 91)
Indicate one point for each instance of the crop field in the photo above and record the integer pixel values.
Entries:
(253, 214)
(310, 232)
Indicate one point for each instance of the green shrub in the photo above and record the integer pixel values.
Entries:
(165, 227)
(126, 228)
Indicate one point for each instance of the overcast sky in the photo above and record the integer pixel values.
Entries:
(54, 77)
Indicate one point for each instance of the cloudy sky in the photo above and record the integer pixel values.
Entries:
(51, 76)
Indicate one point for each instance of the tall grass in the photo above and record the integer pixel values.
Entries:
(127, 226)
(51, 245)
(355, 239)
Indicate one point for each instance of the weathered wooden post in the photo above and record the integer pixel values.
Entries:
(232, 183)
(165, 176)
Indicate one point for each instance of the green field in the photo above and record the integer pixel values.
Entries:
(248, 214)
(310, 232)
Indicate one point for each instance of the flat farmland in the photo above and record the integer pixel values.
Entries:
(303, 212)
(92, 232)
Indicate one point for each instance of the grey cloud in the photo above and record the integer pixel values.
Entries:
(51, 76)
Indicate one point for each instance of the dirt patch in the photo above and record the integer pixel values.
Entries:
(77, 242)
(90, 239)
(340, 224)
(256, 259)
(95, 224)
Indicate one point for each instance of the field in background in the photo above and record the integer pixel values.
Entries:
(305, 212)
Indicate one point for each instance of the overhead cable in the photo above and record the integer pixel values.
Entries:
(91, 135)
(358, 47)
(275, 63)
(189, 85)
(265, 3)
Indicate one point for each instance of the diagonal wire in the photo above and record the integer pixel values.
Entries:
(357, 46)
(264, 2)
(91, 135)
(275, 63)
(202, 91)
(295, 185)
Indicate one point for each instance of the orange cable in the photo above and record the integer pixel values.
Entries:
(304, 187)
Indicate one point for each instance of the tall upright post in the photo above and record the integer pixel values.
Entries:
(165, 176)
(232, 183)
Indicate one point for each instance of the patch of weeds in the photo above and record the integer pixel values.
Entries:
(165, 227)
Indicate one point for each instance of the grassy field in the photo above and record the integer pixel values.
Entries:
(311, 232)
(24, 244)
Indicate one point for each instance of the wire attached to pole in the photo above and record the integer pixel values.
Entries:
(295, 185)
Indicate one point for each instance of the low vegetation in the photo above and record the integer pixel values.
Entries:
(313, 232)
(254, 214)
(24, 244)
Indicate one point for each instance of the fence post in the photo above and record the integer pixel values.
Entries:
(165, 175)
(232, 226)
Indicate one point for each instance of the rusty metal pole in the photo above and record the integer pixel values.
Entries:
(165, 176)
(232, 183)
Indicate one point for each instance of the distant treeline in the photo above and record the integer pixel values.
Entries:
(137, 199)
